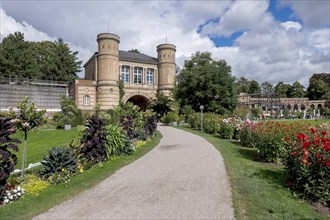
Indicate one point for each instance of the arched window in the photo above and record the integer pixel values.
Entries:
(124, 74)
(295, 107)
(86, 100)
(137, 75)
(150, 76)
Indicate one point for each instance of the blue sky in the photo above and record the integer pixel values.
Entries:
(263, 40)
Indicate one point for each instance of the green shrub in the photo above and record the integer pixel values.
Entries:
(195, 120)
(33, 185)
(210, 123)
(117, 142)
(226, 131)
(187, 111)
(58, 161)
(170, 117)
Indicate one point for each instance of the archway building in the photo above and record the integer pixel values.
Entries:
(143, 76)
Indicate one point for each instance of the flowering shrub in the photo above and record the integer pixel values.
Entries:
(211, 123)
(12, 193)
(230, 127)
(270, 137)
(248, 138)
(308, 165)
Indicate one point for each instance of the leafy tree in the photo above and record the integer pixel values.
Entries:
(207, 82)
(256, 112)
(134, 50)
(267, 88)
(43, 60)
(254, 87)
(325, 77)
(68, 113)
(318, 89)
(65, 62)
(282, 89)
(161, 105)
(27, 118)
(297, 90)
(242, 85)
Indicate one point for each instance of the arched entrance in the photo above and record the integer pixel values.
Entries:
(140, 101)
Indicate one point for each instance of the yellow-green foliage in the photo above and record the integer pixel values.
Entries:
(139, 143)
(33, 185)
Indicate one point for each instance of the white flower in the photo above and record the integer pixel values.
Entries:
(22, 191)
(14, 120)
(6, 201)
(19, 194)
(18, 188)
(11, 197)
(15, 190)
(26, 124)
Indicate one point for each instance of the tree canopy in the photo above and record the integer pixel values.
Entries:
(318, 89)
(42, 60)
(207, 82)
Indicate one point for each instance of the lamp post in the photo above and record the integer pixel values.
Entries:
(201, 107)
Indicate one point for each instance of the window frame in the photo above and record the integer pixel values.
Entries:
(125, 75)
(150, 76)
(86, 100)
(137, 75)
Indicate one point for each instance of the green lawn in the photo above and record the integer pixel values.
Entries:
(29, 206)
(258, 189)
(39, 142)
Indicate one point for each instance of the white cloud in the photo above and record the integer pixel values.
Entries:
(315, 14)
(291, 24)
(241, 15)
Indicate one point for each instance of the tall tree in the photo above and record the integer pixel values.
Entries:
(297, 90)
(16, 57)
(282, 89)
(325, 77)
(267, 88)
(242, 85)
(66, 64)
(43, 60)
(254, 87)
(318, 89)
(207, 82)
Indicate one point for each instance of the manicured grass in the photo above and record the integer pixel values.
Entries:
(29, 206)
(39, 142)
(311, 121)
(258, 189)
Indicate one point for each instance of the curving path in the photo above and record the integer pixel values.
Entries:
(184, 177)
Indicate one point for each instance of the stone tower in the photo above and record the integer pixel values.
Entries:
(166, 68)
(108, 70)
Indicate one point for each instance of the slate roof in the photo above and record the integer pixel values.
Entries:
(136, 57)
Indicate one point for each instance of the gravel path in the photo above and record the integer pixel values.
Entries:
(182, 178)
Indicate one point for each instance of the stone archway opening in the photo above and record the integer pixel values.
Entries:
(140, 101)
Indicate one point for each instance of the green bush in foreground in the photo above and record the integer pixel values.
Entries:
(59, 162)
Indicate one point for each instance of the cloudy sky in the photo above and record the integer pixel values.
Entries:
(265, 40)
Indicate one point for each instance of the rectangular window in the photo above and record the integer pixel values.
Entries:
(150, 76)
(137, 75)
(125, 74)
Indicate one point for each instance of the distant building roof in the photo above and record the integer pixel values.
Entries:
(136, 57)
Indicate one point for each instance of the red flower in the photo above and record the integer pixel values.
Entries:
(306, 144)
(327, 164)
(327, 146)
(294, 153)
(287, 139)
(313, 130)
(324, 133)
(301, 137)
